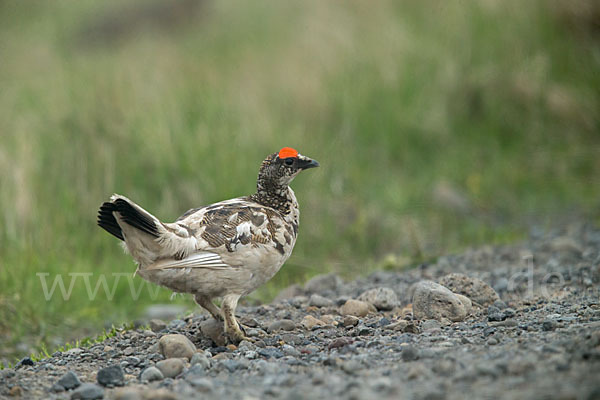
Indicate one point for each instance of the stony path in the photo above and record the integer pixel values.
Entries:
(531, 330)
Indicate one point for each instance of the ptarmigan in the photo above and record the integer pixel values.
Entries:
(224, 250)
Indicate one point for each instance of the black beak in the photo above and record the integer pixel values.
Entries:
(307, 163)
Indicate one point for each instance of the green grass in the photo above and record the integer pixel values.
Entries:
(497, 101)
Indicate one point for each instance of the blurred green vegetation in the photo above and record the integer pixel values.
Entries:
(438, 125)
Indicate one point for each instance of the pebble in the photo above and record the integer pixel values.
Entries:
(357, 308)
(202, 384)
(409, 353)
(382, 298)
(69, 381)
(151, 374)
(214, 330)
(111, 376)
(157, 325)
(320, 301)
(474, 288)
(434, 301)
(549, 324)
(171, 367)
(430, 325)
(290, 350)
(309, 322)
(350, 320)
(200, 359)
(176, 346)
(283, 324)
(88, 391)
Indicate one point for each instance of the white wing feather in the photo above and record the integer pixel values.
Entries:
(196, 260)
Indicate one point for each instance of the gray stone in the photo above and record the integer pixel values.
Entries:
(290, 350)
(128, 393)
(357, 308)
(549, 324)
(434, 301)
(474, 288)
(87, 391)
(200, 359)
(320, 301)
(176, 324)
(201, 384)
(151, 374)
(382, 298)
(111, 376)
(283, 324)
(430, 325)
(214, 330)
(176, 346)
(171, 367)
(323, 283)
(409, 353)
(157, 325)
(69, 381)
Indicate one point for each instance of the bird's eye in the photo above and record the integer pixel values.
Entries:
(289, 161)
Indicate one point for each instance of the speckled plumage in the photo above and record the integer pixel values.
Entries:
(227, 249)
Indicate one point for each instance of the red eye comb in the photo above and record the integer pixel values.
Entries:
(287, 152)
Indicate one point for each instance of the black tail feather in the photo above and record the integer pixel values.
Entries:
(107, 221)
(129, 214)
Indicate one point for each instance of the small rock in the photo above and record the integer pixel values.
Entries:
(151, 374)
(176, 324)
(69, 381)
(416, 371)
(283, 324)
(500, 305)
(157, 325)
(492, 341)
(434, 301)
(430, 325)
(309, 322)
(323, 283)
(549, 325)
(320, 301)
(214, 330)
(466, 302)
(111, 376)
(88, 391)
(409, 353)
(357, 308)
(128, 393)
(474, 288)
(200, 359)
(382, 298)
(350, 320)
(176, 346)
(290, 350)
(201, 384)
(232, 365)
(171, 367)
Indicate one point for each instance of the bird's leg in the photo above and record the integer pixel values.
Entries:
(232, 328)
(209, 306)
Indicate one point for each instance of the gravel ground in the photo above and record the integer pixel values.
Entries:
(532, 331)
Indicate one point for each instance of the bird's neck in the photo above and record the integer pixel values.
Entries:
(279, 197)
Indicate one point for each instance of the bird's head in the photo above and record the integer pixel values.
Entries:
(279, 169)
